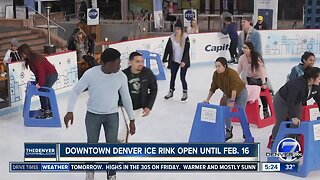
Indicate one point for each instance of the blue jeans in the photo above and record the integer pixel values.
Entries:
(110, 124)
(44, 101)
(241, 101)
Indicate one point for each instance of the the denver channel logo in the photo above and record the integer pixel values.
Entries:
(40, 152)
(288, 150)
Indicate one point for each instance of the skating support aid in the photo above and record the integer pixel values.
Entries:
(209, 124)
(311, 155)
(148, 56)
(29, 115)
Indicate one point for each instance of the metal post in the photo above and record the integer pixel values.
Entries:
(48, 25)
(49, 48)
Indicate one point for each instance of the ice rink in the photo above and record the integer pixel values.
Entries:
(169, 122)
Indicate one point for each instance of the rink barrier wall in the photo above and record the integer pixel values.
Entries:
(18, 76)
(207, 47)
(277, 45)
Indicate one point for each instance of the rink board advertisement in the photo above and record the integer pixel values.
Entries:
(290, 44)
(65, 64)
(207, 47)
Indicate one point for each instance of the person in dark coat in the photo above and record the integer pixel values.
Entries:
(288, 100)
(231, 30)
(261, 24)
(143, 90)
(142, 84)
(177, 50)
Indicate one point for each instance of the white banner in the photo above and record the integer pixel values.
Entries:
(157, 13)
(65, 64)
(3, 4)
(269, 10)
(93, 16)
(207, 47)
(188, 15)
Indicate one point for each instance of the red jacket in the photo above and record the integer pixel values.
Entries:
(42, 68)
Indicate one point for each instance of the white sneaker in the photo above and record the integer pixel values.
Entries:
(112, 177)
(90, 175)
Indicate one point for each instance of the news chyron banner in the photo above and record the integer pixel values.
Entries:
(74, 157)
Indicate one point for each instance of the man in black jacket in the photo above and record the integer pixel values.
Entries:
(142, 84)
(143, 88)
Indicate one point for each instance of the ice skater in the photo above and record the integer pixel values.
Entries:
(46, 75)
(177, 49)
(307, 60)
(231, 30)
(104, 83)
(288, 100)
(252, 65)
(228, 81)
(249, 34)
(143, 88)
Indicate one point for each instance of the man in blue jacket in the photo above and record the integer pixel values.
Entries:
(231, 29)
(249, 34)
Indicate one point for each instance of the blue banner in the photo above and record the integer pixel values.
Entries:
(289, 167)
(55, 167)
(159, 150)
(24, 167)
(182, 167)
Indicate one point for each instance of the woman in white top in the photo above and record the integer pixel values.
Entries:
(177, 49)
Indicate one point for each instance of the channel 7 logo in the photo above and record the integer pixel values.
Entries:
(288, 150)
